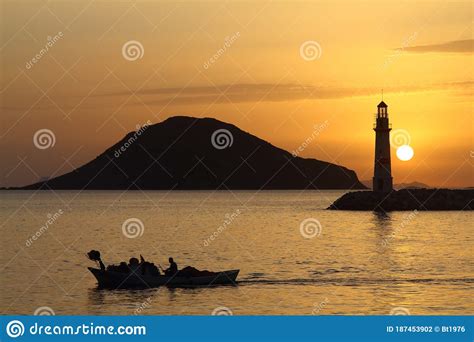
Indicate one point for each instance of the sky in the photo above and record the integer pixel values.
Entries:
(295, 73)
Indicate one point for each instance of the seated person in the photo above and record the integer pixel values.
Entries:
(134, 265)
(122, 267)
(148, 268)
(173, 269)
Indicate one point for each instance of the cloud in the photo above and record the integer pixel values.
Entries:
(268, 92)
(242, 92)
(251, 93)
(456, 46)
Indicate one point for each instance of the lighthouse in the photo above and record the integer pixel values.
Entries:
(382, 181)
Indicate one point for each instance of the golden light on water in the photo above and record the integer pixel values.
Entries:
(405, 153)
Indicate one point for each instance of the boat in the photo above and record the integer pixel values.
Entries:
(116, 280)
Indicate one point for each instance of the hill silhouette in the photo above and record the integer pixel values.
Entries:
(178, 154)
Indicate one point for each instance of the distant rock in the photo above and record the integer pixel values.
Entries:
(412, 185)
(407, 199)
(178, 154)
(399, 186)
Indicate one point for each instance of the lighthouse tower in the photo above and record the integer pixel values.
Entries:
(382, 181)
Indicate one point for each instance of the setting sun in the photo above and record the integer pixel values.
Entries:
(405, 153)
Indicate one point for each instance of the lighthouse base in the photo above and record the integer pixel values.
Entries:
(407, 199)
(380, 184)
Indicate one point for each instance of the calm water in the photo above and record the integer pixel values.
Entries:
(360, 263)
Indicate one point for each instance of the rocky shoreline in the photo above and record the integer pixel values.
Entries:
(406, 199)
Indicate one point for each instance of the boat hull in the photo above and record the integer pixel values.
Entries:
(108, 279)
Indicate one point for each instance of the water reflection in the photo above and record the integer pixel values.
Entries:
(382, 219)
(383, 224)
(96, 296)
(133, 300)
(363, 262)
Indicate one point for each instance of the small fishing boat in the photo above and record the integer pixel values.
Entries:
(145, 274)
(111, 279)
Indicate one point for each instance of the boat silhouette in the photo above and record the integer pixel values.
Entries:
(118, 280)
(145, 274)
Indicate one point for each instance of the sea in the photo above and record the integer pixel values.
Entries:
(295, 257)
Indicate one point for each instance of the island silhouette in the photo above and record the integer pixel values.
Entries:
(188, 153)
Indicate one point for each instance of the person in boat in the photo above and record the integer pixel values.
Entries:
(122, 267)
(173, 269)
(102, 266)
(133, 265)
(148, 268)
(95, 256)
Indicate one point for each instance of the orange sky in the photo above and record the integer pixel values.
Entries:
(89, 95)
